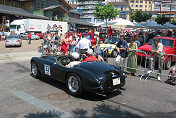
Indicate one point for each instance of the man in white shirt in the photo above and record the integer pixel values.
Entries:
(83, 44)
(157, 51)
(75, 55)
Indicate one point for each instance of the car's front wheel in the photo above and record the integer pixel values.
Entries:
(34, 70)
(74, 85)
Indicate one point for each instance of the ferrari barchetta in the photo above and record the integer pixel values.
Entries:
(91, 76)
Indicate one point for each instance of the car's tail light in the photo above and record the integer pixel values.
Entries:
(17, 40)
(6, 41)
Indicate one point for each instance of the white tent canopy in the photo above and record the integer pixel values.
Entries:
(135, 26)
(119, 22)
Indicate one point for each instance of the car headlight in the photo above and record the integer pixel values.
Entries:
(124, 75)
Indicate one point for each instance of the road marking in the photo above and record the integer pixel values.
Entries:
(42, 105)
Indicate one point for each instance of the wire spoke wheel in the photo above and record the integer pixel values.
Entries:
(73, 84)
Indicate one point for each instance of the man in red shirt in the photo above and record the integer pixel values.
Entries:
(29, 37)
(89, 56)
(110, 31)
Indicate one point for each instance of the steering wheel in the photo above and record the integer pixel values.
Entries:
(64, 60)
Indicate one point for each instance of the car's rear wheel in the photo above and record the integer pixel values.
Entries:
(35, 70)
(74, 85)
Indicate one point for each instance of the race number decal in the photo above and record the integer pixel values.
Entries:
(47, 69)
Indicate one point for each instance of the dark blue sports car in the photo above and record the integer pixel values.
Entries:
(92, 76)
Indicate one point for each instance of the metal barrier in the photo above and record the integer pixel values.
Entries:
(164, 63)
(141, 60)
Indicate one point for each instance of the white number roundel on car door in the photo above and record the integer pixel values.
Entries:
(47, 69)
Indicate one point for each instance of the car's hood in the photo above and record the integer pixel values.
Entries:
(148, 48)
(97, 67)
(107, 45)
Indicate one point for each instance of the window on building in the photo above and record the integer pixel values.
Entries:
(141, 5)
(132, 1)
(137, 1)
(146, 2)
(132, 5)
(149, 2)
(145, 6)
(136, 5)
(140, 9)
(141, 1)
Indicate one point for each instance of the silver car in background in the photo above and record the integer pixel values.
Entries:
(13, 40)
(33, 36)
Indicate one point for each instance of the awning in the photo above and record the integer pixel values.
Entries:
(19, 12)
(78, 21)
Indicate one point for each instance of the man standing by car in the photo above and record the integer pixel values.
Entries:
(157, 51)
(122, 50)
(29, 37)
(83, 44)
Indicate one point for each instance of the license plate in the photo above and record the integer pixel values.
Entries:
(116, 81)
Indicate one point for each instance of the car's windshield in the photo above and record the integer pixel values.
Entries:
(12, 36)
(112, 40)
(165, 42)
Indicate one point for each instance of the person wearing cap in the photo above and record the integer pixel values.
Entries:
(76, 56)
(89, 56)
(132, 58)
(157, 51)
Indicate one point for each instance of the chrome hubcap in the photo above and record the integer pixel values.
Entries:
(73, 84)
(34, 69)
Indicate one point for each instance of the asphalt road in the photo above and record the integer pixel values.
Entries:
(22, 96)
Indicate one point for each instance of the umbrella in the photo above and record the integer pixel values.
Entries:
(152, 25)
(169, 25)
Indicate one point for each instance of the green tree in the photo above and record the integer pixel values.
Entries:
(105, 12)
(140, 17)
(173, 22)
(162, 19)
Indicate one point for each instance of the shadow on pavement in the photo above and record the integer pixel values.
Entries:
(86, 95)
(104, 111)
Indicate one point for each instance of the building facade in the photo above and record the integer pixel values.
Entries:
(166, 7)
(142, 5)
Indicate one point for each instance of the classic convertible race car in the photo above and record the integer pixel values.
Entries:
(92, 76)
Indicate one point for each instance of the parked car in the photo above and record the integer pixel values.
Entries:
(40, 35)
(33, 36)
(91, 76)
(13, 40)
(110, 43)
(169, 47)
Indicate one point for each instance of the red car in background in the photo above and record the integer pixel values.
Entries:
(92, 39)
(40, 35)
(169, 47)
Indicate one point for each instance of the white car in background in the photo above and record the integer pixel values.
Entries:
(13, 40)
(33, 36)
